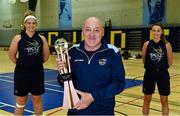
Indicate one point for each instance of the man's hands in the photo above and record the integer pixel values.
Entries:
(60, 64)
(85, 101)
(86, 98)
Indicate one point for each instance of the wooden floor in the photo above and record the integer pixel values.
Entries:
(130, 101)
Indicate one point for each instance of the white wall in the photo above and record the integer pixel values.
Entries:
(173, 12)
(11, 14)
(121, 12)
(49, 13)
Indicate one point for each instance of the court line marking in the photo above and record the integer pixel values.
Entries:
(45, 81)
(130, 103)
(45, 87)
(52, 85)
(175, 86)
(51, 113)
(134, 77)
(139, 106)
(10, 77)
(138, 76)
(53, 80)
(54, 90)
(7, 80)
(118, 112)
(3, 105)
(14, 107)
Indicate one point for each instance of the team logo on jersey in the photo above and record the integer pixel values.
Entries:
(33, 47)
(102, 61)
(157, 54)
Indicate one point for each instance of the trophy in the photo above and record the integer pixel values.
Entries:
(70, 95)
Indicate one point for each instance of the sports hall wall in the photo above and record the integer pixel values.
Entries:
(128, 30)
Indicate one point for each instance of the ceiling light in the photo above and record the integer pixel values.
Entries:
(24, 0)
(12, 1)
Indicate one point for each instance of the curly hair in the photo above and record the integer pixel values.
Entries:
(29, 12)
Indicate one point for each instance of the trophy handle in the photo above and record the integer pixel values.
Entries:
(67, 97)
(69, 66)
(75, 98)
(70, 96)
(63, 58)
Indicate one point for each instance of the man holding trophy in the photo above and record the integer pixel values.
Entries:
(96, 71)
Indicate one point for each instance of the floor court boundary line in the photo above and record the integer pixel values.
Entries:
(53, 80)
(49, 70)
(6, 80)
(120, 113)
(138, 76)
(175, 86)
(45, 87)
(45, 70)
(6, 76)
(14, 107)
(135, 105)
(128, 102)
(53, 85)
(175, 75)
(59, 91)
(51, 113)
(13, 77)
(13, 81)
(3, 105)
(134, 77)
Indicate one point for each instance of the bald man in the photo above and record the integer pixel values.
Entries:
(97, 71)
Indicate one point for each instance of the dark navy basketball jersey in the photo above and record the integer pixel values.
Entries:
(156, 56)
(30, 51)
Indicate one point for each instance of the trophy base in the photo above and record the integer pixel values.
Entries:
(63, 77)
(66, 77)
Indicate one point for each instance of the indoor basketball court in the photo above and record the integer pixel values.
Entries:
(129, 102)
(127, 26)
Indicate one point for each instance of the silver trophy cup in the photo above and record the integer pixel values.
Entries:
(70, 95)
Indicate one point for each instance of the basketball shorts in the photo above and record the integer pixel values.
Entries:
(29, 82)
(159, 77)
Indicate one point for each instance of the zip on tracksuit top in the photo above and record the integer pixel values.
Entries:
(102, 75)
